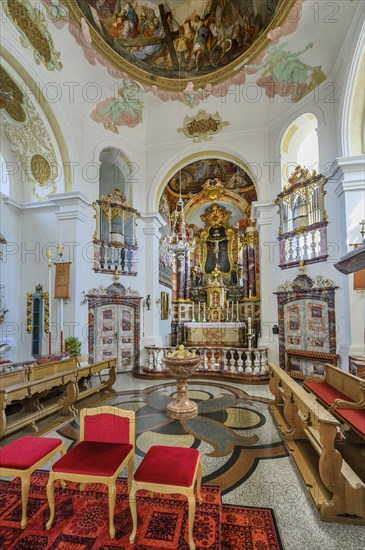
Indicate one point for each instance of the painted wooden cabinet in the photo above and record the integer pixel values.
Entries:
(307, 327)
(114, 326)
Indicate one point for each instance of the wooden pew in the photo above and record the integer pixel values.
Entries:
(91, 371)
(29, 393)
(343, 394)
(41, 390)
(336, 485)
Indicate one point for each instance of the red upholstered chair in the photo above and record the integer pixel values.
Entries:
(168, 470)
(21, 457)
(106, 446)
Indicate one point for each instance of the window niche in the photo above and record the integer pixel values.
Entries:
(303, 219)
(115, 242)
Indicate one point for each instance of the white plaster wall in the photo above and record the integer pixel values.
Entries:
(10, 277)
(154, 147)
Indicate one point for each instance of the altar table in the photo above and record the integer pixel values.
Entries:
(225, 334)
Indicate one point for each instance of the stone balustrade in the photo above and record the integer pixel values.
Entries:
(241, 363)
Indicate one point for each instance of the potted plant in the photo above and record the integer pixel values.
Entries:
(73, 345)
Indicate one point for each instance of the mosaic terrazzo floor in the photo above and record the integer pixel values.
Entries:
(241, 449)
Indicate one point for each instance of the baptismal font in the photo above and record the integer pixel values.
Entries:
(182, 363)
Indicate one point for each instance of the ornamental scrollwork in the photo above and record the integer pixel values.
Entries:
(29, 312)
(34, 33)
(202, 126)
(27, 134)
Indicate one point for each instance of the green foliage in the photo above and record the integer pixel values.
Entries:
(73, 345)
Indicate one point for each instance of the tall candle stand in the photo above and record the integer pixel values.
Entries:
(49, 264)
(60, 253)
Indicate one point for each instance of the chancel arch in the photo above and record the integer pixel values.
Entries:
(191, 154)
(215, 277)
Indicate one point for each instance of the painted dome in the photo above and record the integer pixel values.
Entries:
(172, 43)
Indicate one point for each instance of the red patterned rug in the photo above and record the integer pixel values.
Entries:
(81, 521)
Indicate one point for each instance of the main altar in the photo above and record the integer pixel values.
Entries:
(212, 267)
(216, 290)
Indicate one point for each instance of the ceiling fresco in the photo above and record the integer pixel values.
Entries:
(173, 43)
(195, 175)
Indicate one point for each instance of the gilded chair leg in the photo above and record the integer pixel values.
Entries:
(112, 496)
(133, 507)
(82, 486)
(199, 482)
(130, 473)
(192, 506)
(51, 503)
(25, 493)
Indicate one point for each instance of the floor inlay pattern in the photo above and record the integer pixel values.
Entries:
(233, 430)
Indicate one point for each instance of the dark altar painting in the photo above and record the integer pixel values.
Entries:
(217, 251)
(181, 39)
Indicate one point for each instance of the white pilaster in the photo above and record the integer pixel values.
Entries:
(349, 180)
(73, 211)
(269, 260)
(153, 223)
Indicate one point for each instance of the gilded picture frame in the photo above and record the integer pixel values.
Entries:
(164, 306)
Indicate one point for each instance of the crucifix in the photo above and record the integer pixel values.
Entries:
(170, 36)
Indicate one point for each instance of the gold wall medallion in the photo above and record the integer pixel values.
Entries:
(34, 33)
(202, 126)
(29, 139)
(41, 169)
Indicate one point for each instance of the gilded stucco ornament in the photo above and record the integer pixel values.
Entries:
(116, 289)
(32, 26)
(28, 138)
(213, 189)
(202, 126)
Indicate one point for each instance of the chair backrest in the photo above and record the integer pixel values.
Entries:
(108, 425)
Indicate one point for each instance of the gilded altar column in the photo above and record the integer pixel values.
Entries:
(252, 239)
(245, 269)
(187, 274)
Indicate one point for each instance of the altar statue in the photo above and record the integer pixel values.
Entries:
(197, 275)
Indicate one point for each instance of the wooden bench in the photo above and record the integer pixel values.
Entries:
(334, 473)
(37, 383)
(344, 395)
(91, 371)
(40, 390)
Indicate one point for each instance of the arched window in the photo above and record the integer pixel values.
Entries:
(112, 174)
(299, 146)
(303, 219)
